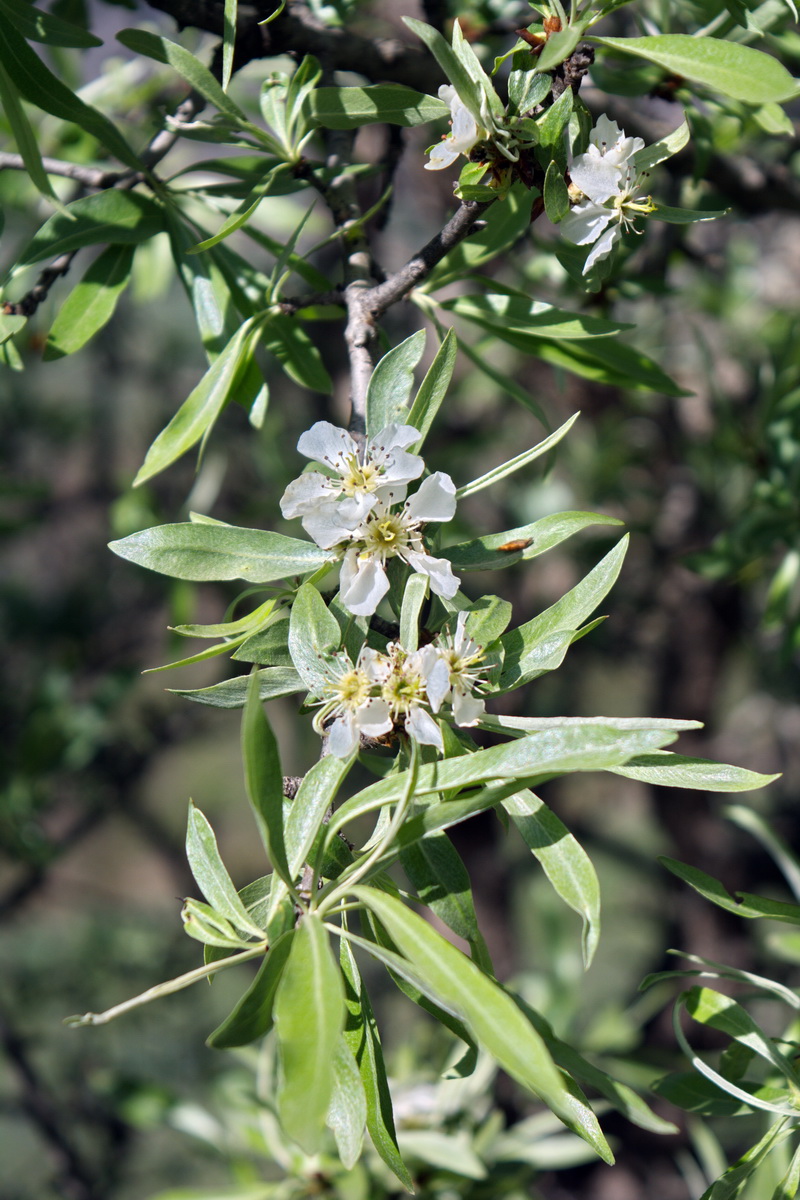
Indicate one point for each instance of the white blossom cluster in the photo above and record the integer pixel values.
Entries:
(359, 509)
(399, 688)
(605, 184)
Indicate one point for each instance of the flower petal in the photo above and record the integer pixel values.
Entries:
(363, 583)
(373, 718)
(343, 736)
(421, 726)
(467, 709)
(326, 443)
(442, 156)
(438, 570)
(437, 683)
(585, 222)
(602, 248)
(435, 500)
(306, 492)
(597, 178)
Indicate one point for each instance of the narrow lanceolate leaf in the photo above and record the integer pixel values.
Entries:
(450, 64)
(727, 67)
(232, 693)
(347, 1112)
(566, 614)
(436, 871)
(228, 40)
(513, 314)
(361, 1035)
(199, 411)
(565, 862)
(165, 51)
(351, 107)
(23, 133)
(731, 1182)
(522, 761)
(110, 216)
(39, 26)
(673, 770)
(90, 305)
(433, 388)
(414, 597)
(206, 552)
(39, 86)
(264, 779)
(309, 1018)
(390, 386)
(748, 905)
(606, 360)
(252, 1016)
(650, 156)
(721, 1012)
(211, 876)
(488, 1011)
(314, 633)
(527, 541)
(518, 462)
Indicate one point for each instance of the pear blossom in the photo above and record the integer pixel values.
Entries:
(385, 534)
(451, 672)
(465, 133)
(349, 705)
(606, 183)
(403, 690)
(330, 506)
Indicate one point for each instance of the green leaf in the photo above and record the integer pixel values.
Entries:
(39, 26)
(749, 906)
(211, 875)
(555, 193)
(605, 360)
(564, 861)
(41, 87)
(111, 216)
(727, 67)
(789, 1184)
(264, 779)
(486, 553)
(717, 1011)
(529, 318)
(206, 552)
(526, 89)
(301, 360)
(390, 386)
(228, 40)
(352, 107)
(347, 1112)
(10, 324)
(674, 770)
(553, 122)
(517, 463)
(730, 1184)
(232, 693)
(450, 63)
(205, 924)
(242, 214)
(414, 597)
(309, 1018)
(650, 156)
(504, 225)
(200, 410)
(24, 135)
(686, 216)
(433, 389)
(436, 871)
(488, 618)
(488, 1012)
(313, 635)
(252, 1016)
(361, 1035)
(524, 761)
(162, 50)
(566, 615)
(559, 46)
(90, 305)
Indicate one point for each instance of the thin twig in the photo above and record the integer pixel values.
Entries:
(91, 177)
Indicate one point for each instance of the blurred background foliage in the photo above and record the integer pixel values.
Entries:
(99, 761)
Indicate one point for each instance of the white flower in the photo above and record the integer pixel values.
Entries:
(464, 135)
(349, 706)
(384, 534)
(607, 184)
(451, 672)
(331, 506)
(404, 693)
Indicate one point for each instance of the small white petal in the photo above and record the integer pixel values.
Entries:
(305, 492)
(602, 248)
(395, 437)
(326, 443)
(421, 726)
(442, 156)
(467, 709)
(373, 718)
(435, 500)
(331, 523)
(376, 666)
(437, 683)
(597, 178)
(363, 583)
(343, 736)
(438, 570)
(585, 222)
